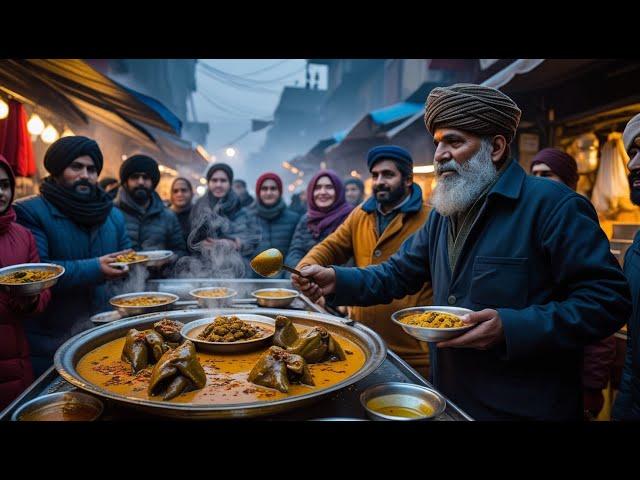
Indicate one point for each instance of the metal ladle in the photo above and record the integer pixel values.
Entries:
(270, 263)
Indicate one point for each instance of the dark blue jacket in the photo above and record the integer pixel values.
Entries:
(156, 228)
(539, 257)
(276, 233)
(81, 291)
(627, 404)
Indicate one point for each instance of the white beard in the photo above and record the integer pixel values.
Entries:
(456, 193)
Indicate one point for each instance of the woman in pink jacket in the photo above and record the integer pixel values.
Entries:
(17, 245)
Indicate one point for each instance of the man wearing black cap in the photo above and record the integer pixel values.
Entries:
(150, 225)
(527, 256)
(374, 232)
(75, 225)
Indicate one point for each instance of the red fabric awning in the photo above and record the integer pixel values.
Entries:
(15, 141)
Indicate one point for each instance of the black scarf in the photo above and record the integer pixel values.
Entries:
(269, 213)
(86, 211)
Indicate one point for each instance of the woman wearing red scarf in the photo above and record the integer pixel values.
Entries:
(17, 245)
(327, 209)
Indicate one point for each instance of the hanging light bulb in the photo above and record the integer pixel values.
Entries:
(35, 125)
(49, 134)
(67, 132)
(4, 109)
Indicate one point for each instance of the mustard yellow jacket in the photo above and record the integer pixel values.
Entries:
(358, 237)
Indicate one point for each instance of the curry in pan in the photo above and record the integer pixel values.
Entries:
(150, 365)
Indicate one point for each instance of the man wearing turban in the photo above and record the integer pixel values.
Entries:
(74, 225)
(525, 255)
(627, 404)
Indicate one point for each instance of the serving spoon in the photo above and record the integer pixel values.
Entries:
(270, 262)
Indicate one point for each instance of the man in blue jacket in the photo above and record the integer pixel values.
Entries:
(75, 225)
(527, 255)
(627, 404)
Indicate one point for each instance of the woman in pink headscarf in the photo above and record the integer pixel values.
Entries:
(327, 209)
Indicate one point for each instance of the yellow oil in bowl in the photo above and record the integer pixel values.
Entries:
(400, 406)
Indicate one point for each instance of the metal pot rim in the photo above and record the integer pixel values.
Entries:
(65, 363)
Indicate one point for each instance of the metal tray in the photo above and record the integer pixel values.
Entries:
(70, 353)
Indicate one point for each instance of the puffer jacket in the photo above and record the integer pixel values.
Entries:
(277, 232)
(156, 228)
(82, 290)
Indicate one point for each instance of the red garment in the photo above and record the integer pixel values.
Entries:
(268, 176)
(598, 358)
(17, 245)
(15, 141)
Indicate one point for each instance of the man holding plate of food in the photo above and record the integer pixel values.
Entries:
(526, 255)
(75, 226)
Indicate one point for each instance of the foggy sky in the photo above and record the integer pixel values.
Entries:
(235, 107)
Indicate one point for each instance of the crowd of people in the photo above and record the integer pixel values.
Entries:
(526, 254)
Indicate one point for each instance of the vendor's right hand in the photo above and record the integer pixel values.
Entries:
(109, 272)
(315, 282)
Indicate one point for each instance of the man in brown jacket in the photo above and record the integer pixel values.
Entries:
(372, 233)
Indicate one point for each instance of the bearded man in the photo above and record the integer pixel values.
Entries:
(150, 225)
(627, 404)
(74, 225)
(375, 231)
(526, 255)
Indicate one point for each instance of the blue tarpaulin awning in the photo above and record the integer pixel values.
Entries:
(167, 115)
(339, 136)
(393, 113)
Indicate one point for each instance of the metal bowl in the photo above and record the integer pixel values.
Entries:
(141, 310)
(231, 347)
(69, 354)
(33, 288)
(57, 400)
(213, 302)
(431, 334)
(275, 302)
(424, 402)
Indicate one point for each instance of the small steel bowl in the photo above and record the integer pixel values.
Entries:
(230, 347)
(33, 288)
(431, 334)
(213, 302)
(55, 401)
(424, 402)
(275, 302)
(127, 311)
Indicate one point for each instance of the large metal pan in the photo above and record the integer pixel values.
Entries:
(70, 353)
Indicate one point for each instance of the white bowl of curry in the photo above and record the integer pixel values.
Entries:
(432, 323)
